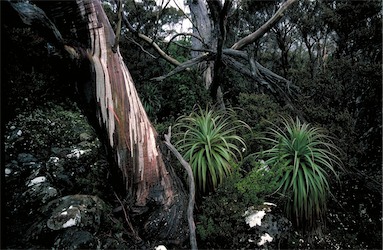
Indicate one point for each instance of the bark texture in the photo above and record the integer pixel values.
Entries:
(130, 133)
(88, 36)
(202, 27)
(207, 30)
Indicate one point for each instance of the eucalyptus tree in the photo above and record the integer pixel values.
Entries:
(344, 89)
(314, 33)
(358, 59)
(81, 30)
(213, 53)
(237, 57)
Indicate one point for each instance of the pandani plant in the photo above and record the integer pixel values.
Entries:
(308, 157)
(209, 142)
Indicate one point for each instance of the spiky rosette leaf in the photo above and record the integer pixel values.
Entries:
(210, 144)
(307, 156)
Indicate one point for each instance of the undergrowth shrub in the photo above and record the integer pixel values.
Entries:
(220, 222)
(260, 182)
(256, 110)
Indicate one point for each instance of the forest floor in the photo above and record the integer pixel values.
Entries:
(59, 195)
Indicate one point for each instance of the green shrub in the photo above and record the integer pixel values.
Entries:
(220, 223)
(210, 144)
(256, 111)
(261, 181)
(181, 92)
(307, 156)
(220, 220)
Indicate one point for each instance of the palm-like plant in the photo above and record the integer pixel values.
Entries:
(209, 143)
(307, 156)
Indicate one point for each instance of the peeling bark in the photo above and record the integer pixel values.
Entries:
(121, 112)
(121, 115)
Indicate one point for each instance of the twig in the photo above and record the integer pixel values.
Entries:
(141, 47)
(127, 219)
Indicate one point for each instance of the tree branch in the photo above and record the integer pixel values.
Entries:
(118, 28)
(264, 28)
(186, 34)
(151, 42)
(182, 46)
(193, 238)
(186, 65)
(142, 48)
(162, 53)
(241, 68)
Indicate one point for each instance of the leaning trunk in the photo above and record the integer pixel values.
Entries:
(120, 112)
(87, 35)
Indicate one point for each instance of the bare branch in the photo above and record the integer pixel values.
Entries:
(264, 28)
(255, 67)
(179, 8)
(162, 53)
(186, 34)
(186, 47)
(186, 65)
(142, 48)
(236, 53)
(185, 164)
(151, 42)
(241, 68)
(118, 28)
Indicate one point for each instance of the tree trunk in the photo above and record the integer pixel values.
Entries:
(202, 27)
(206, 30)
(89, 38)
